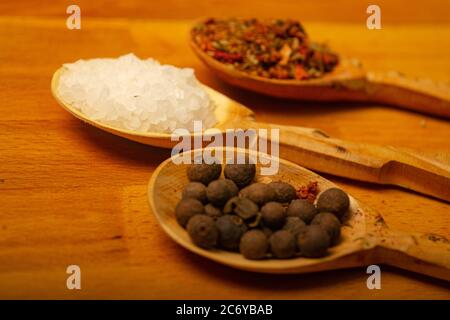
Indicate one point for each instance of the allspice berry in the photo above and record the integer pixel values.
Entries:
(186, 209)
(195, 190)
(303, 209)
(212, 211)
(231, 228)
(333, 200)
(203, 231)
(294, 225)
(259, 193)
(282, 244)
(330, 223)
(219, 191)
(254, 244)
(273, 215)
(232, 187)
(284, 192)
(204, 173)
(314, 242)
(243, 207)
(241, 174)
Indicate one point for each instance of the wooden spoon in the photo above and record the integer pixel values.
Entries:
(310, 148)
(348, 82)
(366, 239)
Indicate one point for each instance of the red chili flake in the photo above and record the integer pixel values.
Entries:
(208, 46)
(279, 72)
(226, 56)
(249, 36)
(303, 51)
(300, 73)
(308, 192)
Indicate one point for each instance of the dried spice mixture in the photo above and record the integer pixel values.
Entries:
(278, 49)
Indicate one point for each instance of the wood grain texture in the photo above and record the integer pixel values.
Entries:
(72, 194)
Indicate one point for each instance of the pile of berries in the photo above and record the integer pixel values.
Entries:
(258, 220)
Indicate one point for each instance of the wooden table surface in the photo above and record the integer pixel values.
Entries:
(71, 194)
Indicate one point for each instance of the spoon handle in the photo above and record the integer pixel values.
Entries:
(423, 253)
(373, 163)
(421, 95)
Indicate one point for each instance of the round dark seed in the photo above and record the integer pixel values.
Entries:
(232, 187)
(243, 207)
(314, 242)
(294, 225)
(333, 200)
(303, 209)
(218, 192)
(212, 211)
(284, 192)
(195, 190)
(282, 244)
(241, 174)
(330, 224)
(204, 173)
(267, 231)
(254, 244)
(273, 215)
(203, 231)
(186, 209)
(259, 193)
(231, 228)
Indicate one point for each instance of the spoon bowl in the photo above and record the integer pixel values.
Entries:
(365, 237)
(347, 82)
(319, 89)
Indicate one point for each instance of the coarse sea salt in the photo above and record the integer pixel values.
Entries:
(134, 94)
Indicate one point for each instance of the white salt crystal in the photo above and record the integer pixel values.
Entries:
(134, 94)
